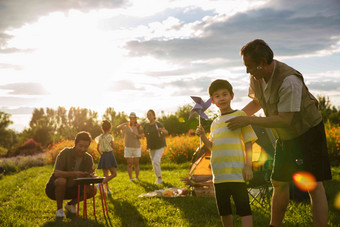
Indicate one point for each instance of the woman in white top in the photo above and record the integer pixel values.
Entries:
(132, 151)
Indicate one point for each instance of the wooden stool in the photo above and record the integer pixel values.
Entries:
(91, 181)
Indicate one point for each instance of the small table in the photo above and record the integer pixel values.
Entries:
(88, 181)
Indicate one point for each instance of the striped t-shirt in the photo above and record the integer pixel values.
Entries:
(227, 155)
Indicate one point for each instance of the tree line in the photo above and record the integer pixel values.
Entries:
(48, 125)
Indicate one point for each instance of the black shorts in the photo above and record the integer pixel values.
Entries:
(238, 190)
(70, 192)
(307, 152)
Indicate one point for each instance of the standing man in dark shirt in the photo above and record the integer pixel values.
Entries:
(71, 163)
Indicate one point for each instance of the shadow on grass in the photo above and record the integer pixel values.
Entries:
(205, 211)
(72, 220)
(127, 213)
(148, 187)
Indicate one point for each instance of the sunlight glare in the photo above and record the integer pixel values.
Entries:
(337, 201)
(305, 181)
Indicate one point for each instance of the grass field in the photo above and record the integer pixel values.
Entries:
(23, 202)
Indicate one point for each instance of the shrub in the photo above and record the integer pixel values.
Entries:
(18, 163)
(54, 150)
(333, 143)
(30, 147)
(179, 149)
(3, 151)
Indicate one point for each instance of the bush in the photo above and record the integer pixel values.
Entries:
(3, 151)
(179, 149)
(53, 151)
(18, 163)
(30, 147)
(333, 143)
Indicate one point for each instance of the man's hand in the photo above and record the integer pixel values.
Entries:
(247, 173)
(79, 174)
(91, 172)
(237, 122)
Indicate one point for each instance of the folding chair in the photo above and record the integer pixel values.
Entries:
(259, 188)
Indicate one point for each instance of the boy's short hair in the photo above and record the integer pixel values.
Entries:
(83, 135)
(220, 84)
(106, 125)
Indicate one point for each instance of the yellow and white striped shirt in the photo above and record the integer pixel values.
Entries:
(227, 156)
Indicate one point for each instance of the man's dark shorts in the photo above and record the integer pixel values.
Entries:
(307, 152)
(70, 192)
(238, 190)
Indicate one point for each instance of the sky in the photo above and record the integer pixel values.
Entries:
(154, 54)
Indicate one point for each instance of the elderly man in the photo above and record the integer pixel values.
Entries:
(291, 111)
(71, 163)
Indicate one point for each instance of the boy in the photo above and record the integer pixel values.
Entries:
(229, 166)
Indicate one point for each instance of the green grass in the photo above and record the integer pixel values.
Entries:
(23, 202)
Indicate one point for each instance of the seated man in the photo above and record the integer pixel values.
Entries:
(71, 163)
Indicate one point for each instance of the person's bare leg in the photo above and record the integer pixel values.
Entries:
(113, 172)
(110, 177)
(106, 175)
(280, 202)
(319, 205)
(136, 165)
(227, 221)
(247, 221)
(60, 187)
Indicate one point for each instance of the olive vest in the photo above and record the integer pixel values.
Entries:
(309, 115)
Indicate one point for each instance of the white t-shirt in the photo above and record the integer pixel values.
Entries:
(290, 93)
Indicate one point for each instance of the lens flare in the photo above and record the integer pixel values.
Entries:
(337, 201)
(305, 181)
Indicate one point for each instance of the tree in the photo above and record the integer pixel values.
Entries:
(329, 113)
(42, 126)
(7, 136)
(115, 118)
(179, 122)
(82, 119)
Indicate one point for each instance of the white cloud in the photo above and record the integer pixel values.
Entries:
(135, 55)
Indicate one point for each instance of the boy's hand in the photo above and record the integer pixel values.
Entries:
(200, 130)
(247, 173)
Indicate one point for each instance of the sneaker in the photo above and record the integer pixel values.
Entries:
(159, 181)
(131, 179)
(71, 208)
(136, 179)
(60, 213)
